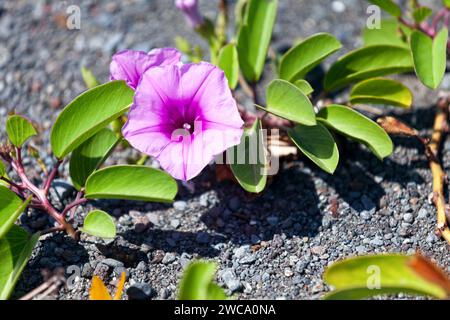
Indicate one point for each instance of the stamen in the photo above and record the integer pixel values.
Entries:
(187, 126)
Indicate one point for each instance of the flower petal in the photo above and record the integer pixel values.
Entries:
(130, 65)
(206, 92)
(151, 119)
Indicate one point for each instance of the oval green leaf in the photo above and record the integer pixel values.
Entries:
(302, 58)
(358, 127)
(368, 62)
(389, 6)
(99, 224)
(197, 283)
(90, 155)
(381, 91)
(388, 34)
(287, 101)
(430, 57)
(11, 207)
(254, 37)
(352, 278)
(304, 87)
(15, 251)
(317, 143)
(139, 183)
(87, 114)
(229, 63)
(248, 160)
(19, 130)
(422, 13)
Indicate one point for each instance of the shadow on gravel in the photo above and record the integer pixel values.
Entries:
(58, 253)
(176, 241)
(289, 206)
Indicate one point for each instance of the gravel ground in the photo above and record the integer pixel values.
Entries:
(273, 246)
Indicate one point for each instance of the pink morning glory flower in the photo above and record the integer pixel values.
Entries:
(183, 116)
(130, 65)
(190, 11)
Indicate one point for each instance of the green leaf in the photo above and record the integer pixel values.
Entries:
(358, 127)
(254, 37)
(388, 34)
(89, 113)
(90, 155)
(317, 144)
(99, 224)
(304, 87)
(251, 171)
(353, 277)
(229, 63)
(302, 58)
(2, 169)
(15, 251)
(389, 6)
(368, 62)
(19, 130)
(446, 3)
(381, 91)
(287, 101)
(88, 77)
(430, 57)
(131, 183)
(421, 13)
(197, 283)
(11, 207)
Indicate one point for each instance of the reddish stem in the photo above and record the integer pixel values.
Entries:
(41, 196)
(51, 176)
(74, 204)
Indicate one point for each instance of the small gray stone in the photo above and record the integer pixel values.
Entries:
(112, 263)
(142, 266)
(168, 258)
(423, 213)
(241, 251)
(230, 280)
(248, 259)
(365, 215)
(408, 217)
(140, 291)
(175, 223)
(376, 242)
(180, 205)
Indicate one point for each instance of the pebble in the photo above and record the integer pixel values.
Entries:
(423, 214)
(376, 242)
(112, 263)
(247, 259)
(229, 278)
(408, 217)
(175, 223)
(140, 291)
(180, 205)
(168, 258)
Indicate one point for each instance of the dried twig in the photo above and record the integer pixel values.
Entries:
(440, 127)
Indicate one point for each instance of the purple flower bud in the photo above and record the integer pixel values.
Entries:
(191, 12)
